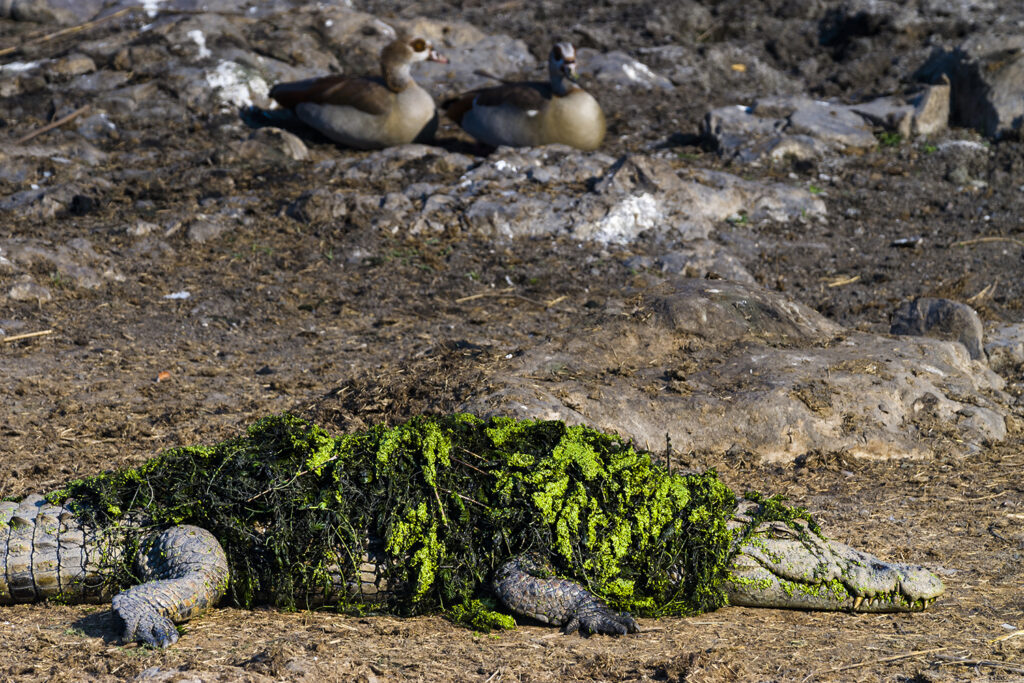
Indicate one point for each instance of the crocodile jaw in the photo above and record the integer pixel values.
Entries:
(781, 568)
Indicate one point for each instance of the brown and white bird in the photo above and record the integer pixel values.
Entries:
(369, 112)
(533, 113)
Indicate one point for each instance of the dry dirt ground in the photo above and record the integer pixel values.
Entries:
(290, 321)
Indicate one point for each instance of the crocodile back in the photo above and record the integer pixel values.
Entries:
(45, 553)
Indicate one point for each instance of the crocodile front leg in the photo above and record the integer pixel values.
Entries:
(794, 568)
(185, 571)
(526, 587)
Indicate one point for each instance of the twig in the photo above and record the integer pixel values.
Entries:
(870, 662)
(1008, 636)
(465, 498)
(986, 292)
(463, 462)
(992, 238)
(944, 661)
(27, 335)
(440, 506)
(481, 295)
(475, 455)
(295, 476)
(50, 126)
(71, 29)
(844, 281)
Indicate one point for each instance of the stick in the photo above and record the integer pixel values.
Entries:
(465, 498)
(945, 661)
(1008, 636)
(481, 295)
(27, 335)
(915, 653)
(993, 238)
(463, 462)
(71, 29)
(844, 281)
(440, 505)
(50, 126)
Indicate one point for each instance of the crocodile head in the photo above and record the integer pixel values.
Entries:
(785, 567)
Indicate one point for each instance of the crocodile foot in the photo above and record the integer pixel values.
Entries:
(142, 623)
(793, 568)
(526, 587)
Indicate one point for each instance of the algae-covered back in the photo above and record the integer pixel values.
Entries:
(449, 498)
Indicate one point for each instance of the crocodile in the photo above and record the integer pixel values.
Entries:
(561, 524)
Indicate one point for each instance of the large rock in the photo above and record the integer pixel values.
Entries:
(717, 365)
(779, 126)
(631, 196)
(1005, 348)
(942, 319)
(986, 72)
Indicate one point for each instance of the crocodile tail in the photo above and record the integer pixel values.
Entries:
(45, 553)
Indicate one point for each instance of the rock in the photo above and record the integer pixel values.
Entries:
(720, 365)
(74, 64)
(142, 228)
(619, 70)
(931, 109)
(29, 291)
(219, 216)
(101, 81)
(318, 207)
(890, 113)
(39, 11)
(98, 128)
(1005, 347)
(473, 58)
(205, 228)
(144, 59)
(739, 134)
(941, 319)
(832, 124)
(629, 197)
(986, 75)
(274, 144)
(32, 205)
(158, 674)
(781, 126)
(124, 101)
(697, 259)
(19, 77)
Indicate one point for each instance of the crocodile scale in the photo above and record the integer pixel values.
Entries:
(45, 553)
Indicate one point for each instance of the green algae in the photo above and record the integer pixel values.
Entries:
(448, 499)
(480, 616)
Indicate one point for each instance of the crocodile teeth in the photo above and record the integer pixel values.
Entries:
(856, 602)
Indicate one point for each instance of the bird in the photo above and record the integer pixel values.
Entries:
(526, 114)
(369, 112)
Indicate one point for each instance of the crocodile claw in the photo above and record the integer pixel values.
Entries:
(526, 587)
(143, 623)
(596, 617)
(150, 628)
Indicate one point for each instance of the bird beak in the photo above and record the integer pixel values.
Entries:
(435, 57)
(569, 69)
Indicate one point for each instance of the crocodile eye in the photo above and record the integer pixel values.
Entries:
(419, 45)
